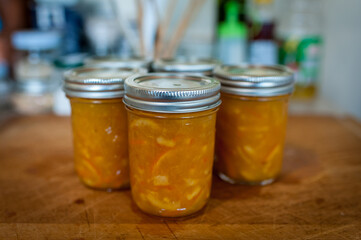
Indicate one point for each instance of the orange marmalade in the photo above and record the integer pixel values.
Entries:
(171, 141)
(251, 123)
(250, 138)
(171, 160)
(100, 142)
(99, 123)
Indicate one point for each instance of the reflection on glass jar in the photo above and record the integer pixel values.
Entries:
(171, 141)
(99, 126)
(251, 123)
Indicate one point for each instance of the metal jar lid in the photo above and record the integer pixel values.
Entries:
(255, 80)
(171, 93)
(117, 62)
(97, 83)
(184, 65)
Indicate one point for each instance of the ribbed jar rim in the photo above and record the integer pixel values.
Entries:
(171, 93)
(255, 80)
(97, 82)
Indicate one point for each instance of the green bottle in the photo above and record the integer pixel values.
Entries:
(232, 35)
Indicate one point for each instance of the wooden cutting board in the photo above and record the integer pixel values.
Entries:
(318, 195)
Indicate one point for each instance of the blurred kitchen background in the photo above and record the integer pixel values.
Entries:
(319, 39)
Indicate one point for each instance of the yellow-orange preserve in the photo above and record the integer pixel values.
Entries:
(99, 122)
(100, 142)
(171, 152)
(251, 129)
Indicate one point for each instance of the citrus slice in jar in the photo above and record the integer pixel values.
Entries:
(173, 159)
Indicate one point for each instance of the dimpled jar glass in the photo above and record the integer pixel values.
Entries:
(171, 124)
(251, 123)
(99, 125)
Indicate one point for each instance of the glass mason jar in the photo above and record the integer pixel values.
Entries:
(33, 97)
(251, 123)
(99, 125)
(34, 55)
(191, 66)
(171, 124)
(117, 62)
(33, 70)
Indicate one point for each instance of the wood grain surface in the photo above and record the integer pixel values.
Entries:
(318, 195)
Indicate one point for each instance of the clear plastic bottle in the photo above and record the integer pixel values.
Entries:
(300, 37)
